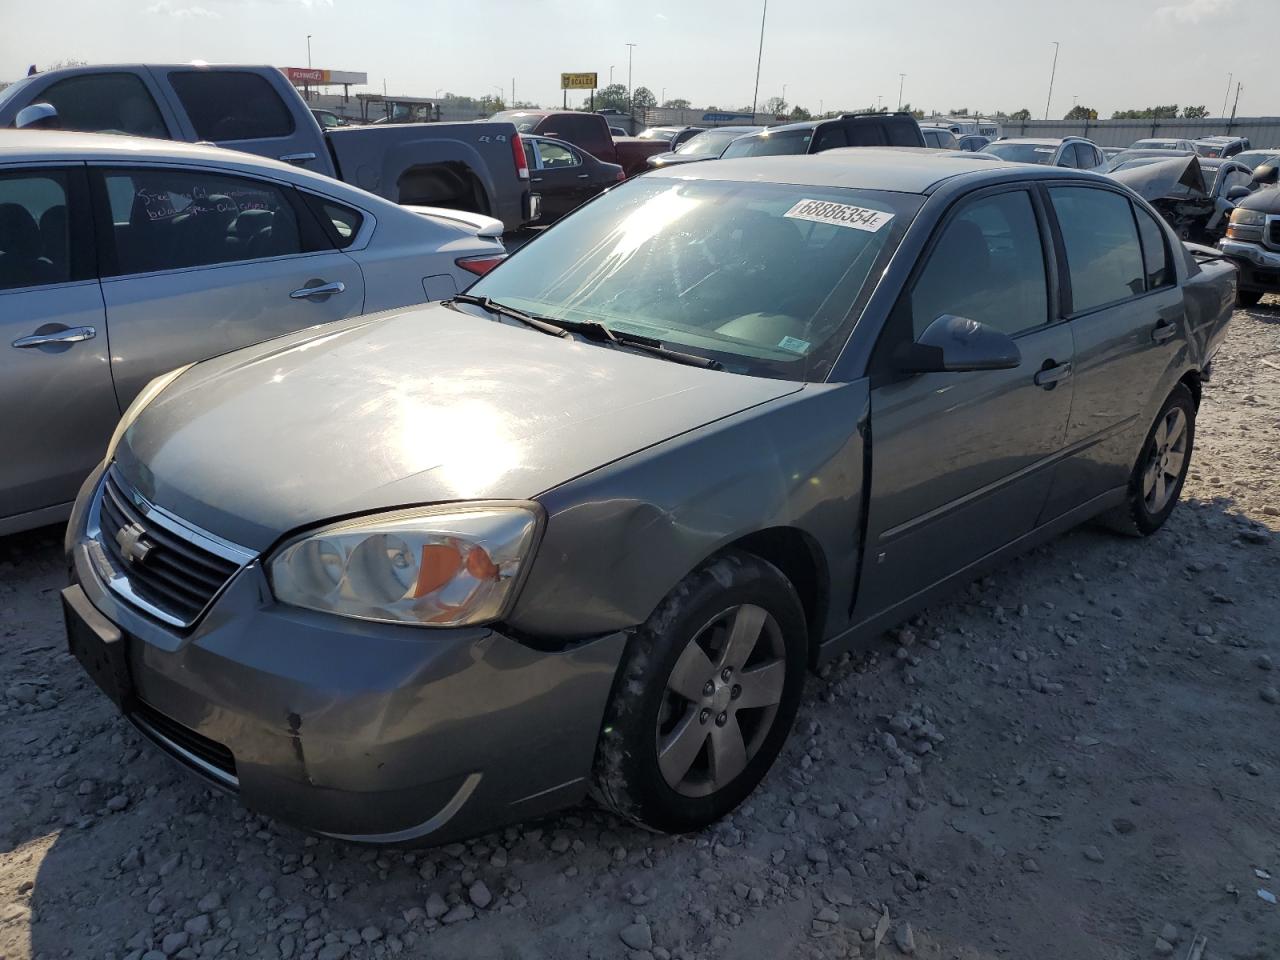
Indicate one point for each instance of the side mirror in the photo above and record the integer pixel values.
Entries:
(956, 345)
(1236, 194)
(37, 116)
(1266, 174)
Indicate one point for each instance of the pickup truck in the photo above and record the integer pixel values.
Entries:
(1252, 242)
(590, 131)
(479, 167)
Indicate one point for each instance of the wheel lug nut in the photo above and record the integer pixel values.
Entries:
(736, 692)
(722, 719)
(704, 716)
(708, 689)
(725, 674)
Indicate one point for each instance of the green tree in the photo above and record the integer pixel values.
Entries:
(962, 112)
(1195, 113)
(1080, 112)
(1023, 114)
(800, 113)
(775, 105)
(677, 103)
(907, 108)
(614, 96)
(1169, 112)
(643, 99)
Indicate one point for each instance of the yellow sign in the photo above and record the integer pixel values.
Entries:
(577, 81)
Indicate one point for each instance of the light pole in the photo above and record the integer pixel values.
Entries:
(1052, 73)
(755, 97)
(631, 104)
(1225, 96)
(664, 96)
(501, 90)
(784, 95)
(306, 89)
(611, 74)
(438, 90)
(902, 79)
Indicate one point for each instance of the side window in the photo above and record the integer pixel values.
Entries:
(556, 157)
(343, 222)
(988, 265)
(1235, 178)
(172, 219)
(106, 103)
(1101, 240)
(231, 105)
(34, 232)
(530, 157)
(832, 136)
(1155, 251)
(931, 139)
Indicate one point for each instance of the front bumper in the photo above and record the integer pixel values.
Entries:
(1259, 266)
(369, 732)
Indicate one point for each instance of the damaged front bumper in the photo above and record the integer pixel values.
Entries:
(369, 732)
(1259, 267)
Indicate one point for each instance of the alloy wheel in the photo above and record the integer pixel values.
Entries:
(1166, 458)
(721, 700)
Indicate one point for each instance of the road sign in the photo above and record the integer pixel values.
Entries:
(578, 81)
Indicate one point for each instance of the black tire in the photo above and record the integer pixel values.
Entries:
(628, 776)
(1139, 516)
(1248, 298)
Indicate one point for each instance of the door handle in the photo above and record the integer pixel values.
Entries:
(69, 335)
(584, 176)
(322, 290)
(536, 180)
(297, 157)
(1049, 376)
(1164, 330)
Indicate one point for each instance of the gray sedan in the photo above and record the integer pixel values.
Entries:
(122, 257)
(583, 528)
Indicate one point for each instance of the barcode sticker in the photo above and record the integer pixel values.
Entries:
(839, 214)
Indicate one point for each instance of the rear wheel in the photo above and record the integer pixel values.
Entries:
(1248, 298)
(1157, 478)
(705, 697)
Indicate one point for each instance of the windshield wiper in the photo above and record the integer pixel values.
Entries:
(595, 330)
(529, 320)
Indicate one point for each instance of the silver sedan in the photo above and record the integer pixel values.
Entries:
(122, 258)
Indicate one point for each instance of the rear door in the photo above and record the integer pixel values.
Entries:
(961, 462)
(197, 262)
(561, 178)
(1126, 315)
(55, 377)
(242, 110)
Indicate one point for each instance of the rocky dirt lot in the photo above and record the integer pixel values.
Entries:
(1078, 757)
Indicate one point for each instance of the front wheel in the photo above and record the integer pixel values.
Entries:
(1157, 477)
(706, 695)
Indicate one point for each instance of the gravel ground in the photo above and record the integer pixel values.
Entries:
(1075, 758)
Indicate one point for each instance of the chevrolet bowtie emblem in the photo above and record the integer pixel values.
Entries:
(133, 546)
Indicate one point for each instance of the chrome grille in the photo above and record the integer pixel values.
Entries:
(1273, 232)
(167, 568)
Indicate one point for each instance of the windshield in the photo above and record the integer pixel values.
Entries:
(1022, 152)
(709, 143)
(525, 122)
(770, 144)
(14, 90)
(657, 133)
(766, 278)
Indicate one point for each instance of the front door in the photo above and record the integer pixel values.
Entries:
(961, 462)
(55, 376)
(561, 178)
(204, 263)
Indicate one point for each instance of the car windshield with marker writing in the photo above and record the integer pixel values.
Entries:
(761, 278)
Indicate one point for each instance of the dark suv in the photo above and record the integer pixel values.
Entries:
(814, 136)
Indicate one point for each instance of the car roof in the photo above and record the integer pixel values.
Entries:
(37, 146)
(900, 169)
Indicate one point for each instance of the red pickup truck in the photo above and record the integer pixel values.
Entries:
(590, 131)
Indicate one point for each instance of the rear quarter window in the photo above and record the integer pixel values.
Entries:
(232, 105)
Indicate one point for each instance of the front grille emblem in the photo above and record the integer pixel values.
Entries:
(134, 546)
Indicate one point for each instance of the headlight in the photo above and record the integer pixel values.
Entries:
(149, 393)
(1248, 218)
(435, 567)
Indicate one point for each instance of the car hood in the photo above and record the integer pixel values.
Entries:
(428, 405)
(1178, 179)
(1266, 199)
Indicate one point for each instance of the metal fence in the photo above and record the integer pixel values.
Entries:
(1261, 131)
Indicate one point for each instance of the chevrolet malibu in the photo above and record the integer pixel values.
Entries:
(582, 530)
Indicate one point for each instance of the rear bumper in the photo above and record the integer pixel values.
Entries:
(369, 732)
(1259, 266)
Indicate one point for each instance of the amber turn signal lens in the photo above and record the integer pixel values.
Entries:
(480, 565)
(440, 564)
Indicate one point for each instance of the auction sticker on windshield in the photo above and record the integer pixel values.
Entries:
(839, 214)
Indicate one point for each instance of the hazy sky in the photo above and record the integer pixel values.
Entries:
(983, 54)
